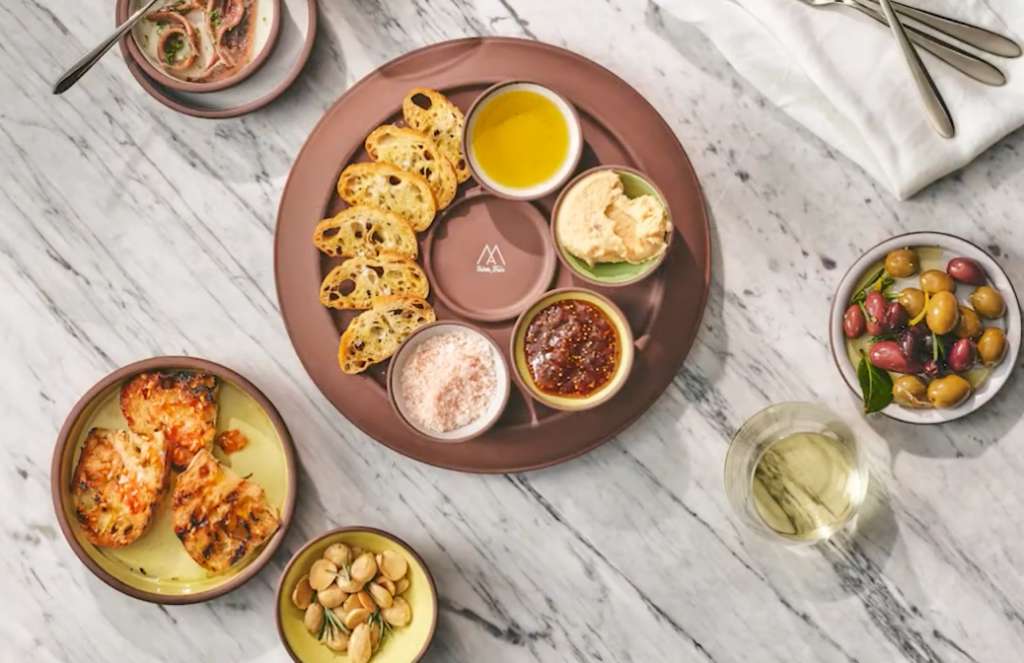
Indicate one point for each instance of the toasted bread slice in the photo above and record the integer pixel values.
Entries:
(430, 112)
(182, 404)
(118, 484)
(220, 517)
(389, 187)
(358, 281)
(376, 334)
(363, 230)
(414, 152)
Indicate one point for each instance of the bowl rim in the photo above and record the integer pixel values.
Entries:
(167, 363)
(574, 159)
(588, 402)
(347, 530)
(124, 7)
(506, 386)
(560, 251)
(946, 241)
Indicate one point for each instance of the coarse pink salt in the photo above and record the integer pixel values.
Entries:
(449, 380)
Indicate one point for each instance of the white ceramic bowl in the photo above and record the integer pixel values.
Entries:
(952, 247)
(494, 409)
(564, 172)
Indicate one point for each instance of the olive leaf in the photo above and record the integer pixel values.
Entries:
(876, 385)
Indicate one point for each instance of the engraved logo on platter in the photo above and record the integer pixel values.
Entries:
(490, 261)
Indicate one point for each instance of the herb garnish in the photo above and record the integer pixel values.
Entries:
(215, 18)
(173, 46)
(879, 281)
(938, 349)
(331, 626)
(876, 385)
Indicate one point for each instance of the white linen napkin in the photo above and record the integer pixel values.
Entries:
(842, 75)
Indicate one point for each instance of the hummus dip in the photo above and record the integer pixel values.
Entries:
(597, 222)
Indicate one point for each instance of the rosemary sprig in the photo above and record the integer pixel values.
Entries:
(938, 348)
(385, 628)
(332, 624)
(859, 296)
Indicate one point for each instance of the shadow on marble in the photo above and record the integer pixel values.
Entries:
(969, 437)
(169, 632)
(832, 571)
(325, 75)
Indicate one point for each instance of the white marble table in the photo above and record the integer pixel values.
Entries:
(128, 231)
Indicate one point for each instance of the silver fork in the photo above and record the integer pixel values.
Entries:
(964, 62)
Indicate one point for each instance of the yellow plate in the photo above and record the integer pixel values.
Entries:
(402, 645)
(156, 568)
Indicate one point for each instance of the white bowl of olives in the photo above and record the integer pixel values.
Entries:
(925, 328)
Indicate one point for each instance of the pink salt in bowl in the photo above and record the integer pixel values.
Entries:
(450, 393)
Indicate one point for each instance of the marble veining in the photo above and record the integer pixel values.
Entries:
(128, 231)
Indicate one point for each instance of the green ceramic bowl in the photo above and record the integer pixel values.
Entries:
(573, 404)
(613, 274)
(402, 645)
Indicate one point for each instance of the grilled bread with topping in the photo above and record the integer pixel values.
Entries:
(375, 334)
(362, 230)
(389, 187)
(118, 484)
(355, 283)
(182, 404)
(430, 112)
(220, 517)
(415, 152)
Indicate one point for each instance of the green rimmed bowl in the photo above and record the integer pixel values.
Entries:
(521, 370)
(613, 274)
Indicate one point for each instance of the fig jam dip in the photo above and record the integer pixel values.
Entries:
(572, 349)
(449, 381)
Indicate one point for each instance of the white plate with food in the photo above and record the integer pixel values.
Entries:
(276, 65)
(925, 328)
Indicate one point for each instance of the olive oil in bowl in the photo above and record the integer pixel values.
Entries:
(522, 140)
(795, 473)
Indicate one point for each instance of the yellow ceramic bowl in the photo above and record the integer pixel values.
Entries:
(156, 568)
(402, 645)
(622, 369)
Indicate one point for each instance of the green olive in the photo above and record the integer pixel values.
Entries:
(969, 325)
(943, 313)
(949, 391)
(909, 391)
(988, 302)
(934, 281)
(912, 300)
(992, 346)
(902, 263)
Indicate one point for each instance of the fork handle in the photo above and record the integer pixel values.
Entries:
(964, 62)
(980, 38)
(934, 107)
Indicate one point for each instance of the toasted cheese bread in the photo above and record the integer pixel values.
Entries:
(363, 230)
(355, 283)
(414, 152)
(389, 187)
(220, 517)
(376, 334)
(182, 404)
(430, 112)
(118, 484)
